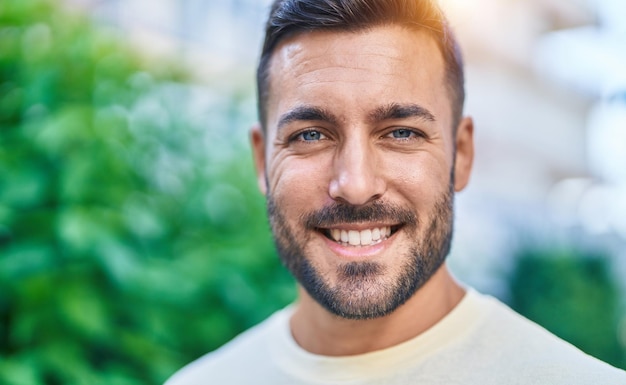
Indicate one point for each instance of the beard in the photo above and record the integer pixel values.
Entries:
(364, 290)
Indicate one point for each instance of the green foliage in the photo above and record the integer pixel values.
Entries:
(132, 235)
(574, 296)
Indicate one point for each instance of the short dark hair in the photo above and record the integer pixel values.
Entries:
(291, 17)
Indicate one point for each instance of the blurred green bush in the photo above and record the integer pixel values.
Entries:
(574, 295)
(132, 235)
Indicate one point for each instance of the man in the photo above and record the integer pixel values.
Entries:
(360, 149)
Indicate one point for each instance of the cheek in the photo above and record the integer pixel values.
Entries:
(421, 180)
(300, 184)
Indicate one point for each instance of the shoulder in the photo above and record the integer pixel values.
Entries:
(246, 354)
(515, 344)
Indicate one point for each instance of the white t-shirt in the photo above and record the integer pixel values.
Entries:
(481, 341)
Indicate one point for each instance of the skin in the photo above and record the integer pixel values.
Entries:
(353, 155)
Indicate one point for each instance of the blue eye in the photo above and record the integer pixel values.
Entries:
(311, 136)
(402, 133)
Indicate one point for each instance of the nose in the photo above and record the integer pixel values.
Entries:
(357, 179)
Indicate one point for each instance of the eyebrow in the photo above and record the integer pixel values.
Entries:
(306, 113)
(387, 112)
(401, 111)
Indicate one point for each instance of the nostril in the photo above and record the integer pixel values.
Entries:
(356, 192)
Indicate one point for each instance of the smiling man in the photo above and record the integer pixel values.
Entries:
(360, 149)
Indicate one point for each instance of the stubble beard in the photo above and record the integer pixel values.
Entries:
(365, 290)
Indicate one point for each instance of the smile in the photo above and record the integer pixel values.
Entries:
(365, 237)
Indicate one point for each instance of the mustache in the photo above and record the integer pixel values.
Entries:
(343, 213)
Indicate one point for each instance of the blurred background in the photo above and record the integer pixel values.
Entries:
(133, 238)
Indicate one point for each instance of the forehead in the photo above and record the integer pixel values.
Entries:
(364, 69)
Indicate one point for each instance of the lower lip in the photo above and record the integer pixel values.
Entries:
(357, 252)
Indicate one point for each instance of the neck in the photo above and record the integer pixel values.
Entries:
(320, 332)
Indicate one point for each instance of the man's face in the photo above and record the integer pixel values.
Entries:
(358, 165)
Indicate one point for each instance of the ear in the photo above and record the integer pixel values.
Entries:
(257, 140)
(464, 153)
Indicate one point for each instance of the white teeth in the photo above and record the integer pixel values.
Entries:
(366, 237)
(354, 238)
(362, 238)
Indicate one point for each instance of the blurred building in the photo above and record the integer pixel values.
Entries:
(213, 37)
(546, 84)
